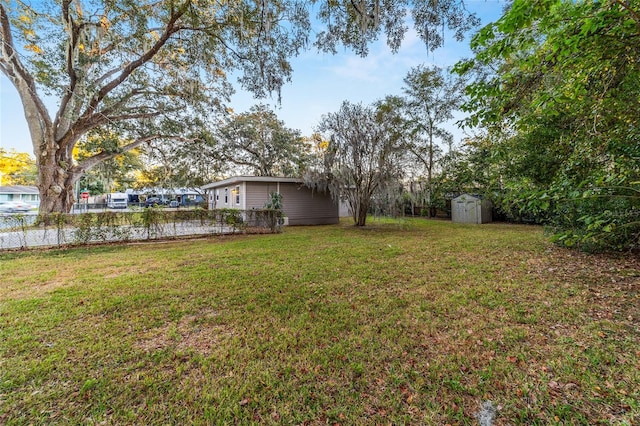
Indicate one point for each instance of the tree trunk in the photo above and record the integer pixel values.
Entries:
(56, 180)
(362, 215)
(56, 175)
(431, 160)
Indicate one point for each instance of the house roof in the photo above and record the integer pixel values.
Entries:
(238, 179)
(19, 189)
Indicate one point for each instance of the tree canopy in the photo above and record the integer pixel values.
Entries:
(113, 175)
(16, 168)
(156, 70)
(557, 89)
(253, 142)
(431, 97)
(363, 156)
(257, 142)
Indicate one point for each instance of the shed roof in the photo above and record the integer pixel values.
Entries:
(238, 179)
(470, 196)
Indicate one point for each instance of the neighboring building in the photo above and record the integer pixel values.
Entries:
(468, 208)
(26, 194)
(300, 204)
(183, 196)
(188, 196)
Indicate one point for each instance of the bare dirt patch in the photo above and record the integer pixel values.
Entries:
(197, 333)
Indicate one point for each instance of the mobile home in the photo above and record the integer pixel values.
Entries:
(117, 200)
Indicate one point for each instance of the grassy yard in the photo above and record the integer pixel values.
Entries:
(410, 322)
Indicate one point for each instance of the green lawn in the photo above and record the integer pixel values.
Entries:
(404, 322)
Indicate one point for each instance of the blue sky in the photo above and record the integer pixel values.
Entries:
(320, 83)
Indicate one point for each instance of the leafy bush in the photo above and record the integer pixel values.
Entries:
(598, 219)
(273, 211)
(86, 228)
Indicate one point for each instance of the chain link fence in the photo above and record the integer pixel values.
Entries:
(62, 230)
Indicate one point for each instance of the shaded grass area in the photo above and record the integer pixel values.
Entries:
(404, 322)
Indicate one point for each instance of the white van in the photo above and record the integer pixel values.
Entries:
(117, 200)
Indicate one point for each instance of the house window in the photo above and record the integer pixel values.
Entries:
(217, 195)
(237, 191)
(226, 195)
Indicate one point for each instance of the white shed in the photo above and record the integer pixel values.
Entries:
(468, 208)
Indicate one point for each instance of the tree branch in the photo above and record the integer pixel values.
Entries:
(143, 59)
(74, 31)
(89, 117)
(24, 83)
(96, 159)
(635, 15)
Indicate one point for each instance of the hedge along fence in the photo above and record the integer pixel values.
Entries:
(28, 231)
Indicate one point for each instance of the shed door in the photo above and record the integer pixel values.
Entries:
(466, 211)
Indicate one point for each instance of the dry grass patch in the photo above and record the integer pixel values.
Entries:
(192, 333)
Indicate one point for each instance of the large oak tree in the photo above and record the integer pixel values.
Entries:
(257, 142)
(156, 70)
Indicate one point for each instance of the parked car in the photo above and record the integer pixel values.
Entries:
(14, 207)
(21, 205)
(152, 202)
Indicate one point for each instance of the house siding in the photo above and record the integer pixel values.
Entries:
(301, 205)
(306, 207)
(258, 193)
(227, 197)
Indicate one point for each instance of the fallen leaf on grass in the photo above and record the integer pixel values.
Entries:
(553, 384)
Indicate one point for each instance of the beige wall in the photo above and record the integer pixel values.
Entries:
(217, 197)
(257, 193)
(299, 203)
(304, 207)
